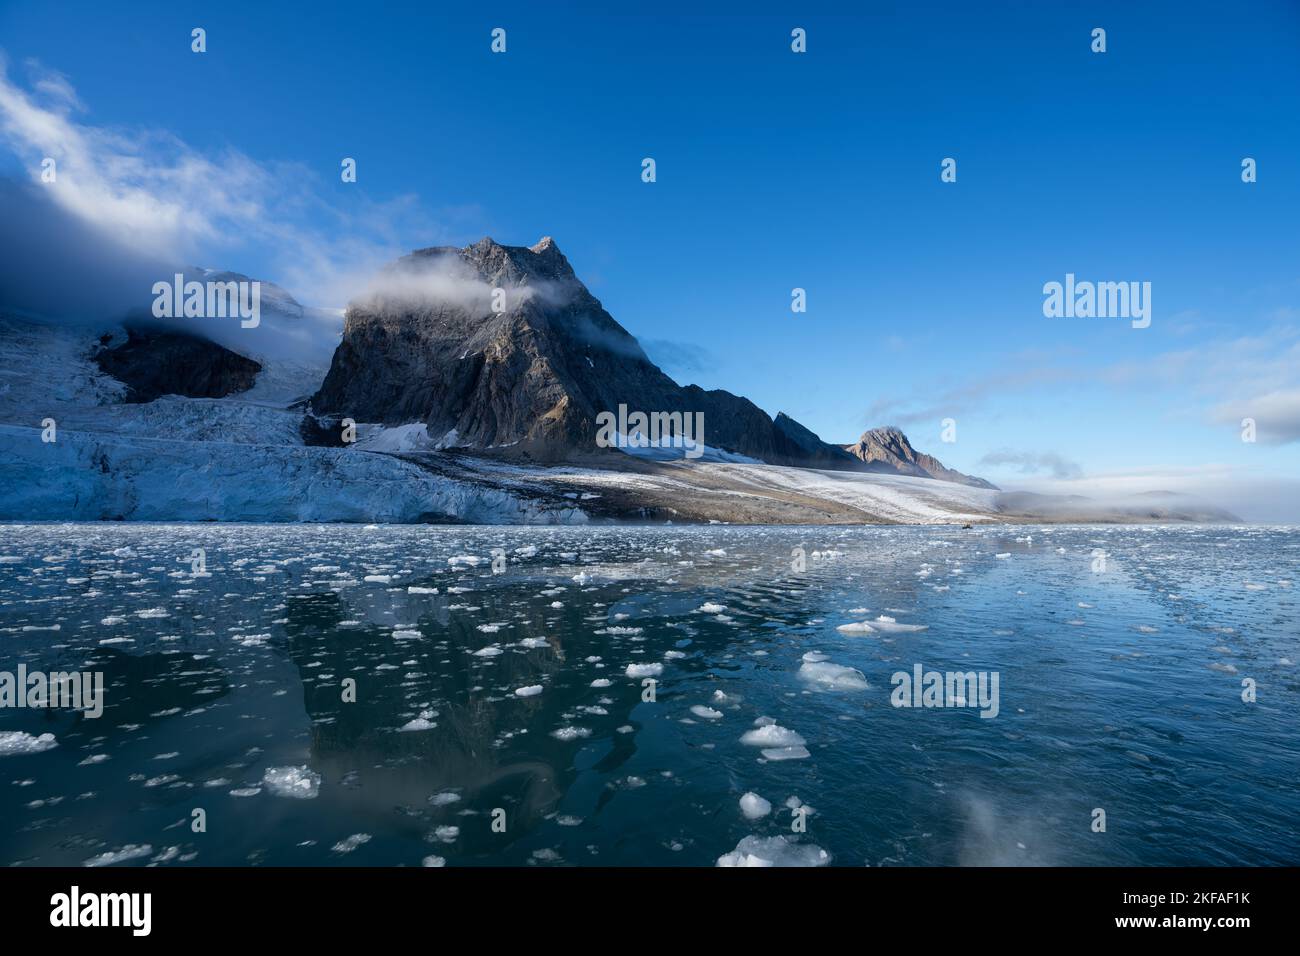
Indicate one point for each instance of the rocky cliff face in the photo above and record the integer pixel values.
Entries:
(155, 361)
(887, 449)
(494, 346)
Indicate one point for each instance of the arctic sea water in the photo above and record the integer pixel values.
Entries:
(384, 695)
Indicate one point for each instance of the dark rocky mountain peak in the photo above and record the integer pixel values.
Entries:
(497, 347)
(888, 448)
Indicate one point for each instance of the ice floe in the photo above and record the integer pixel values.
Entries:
(15, 742)
(774, 851)
(297, 782)
(833, 676)
(754, 807)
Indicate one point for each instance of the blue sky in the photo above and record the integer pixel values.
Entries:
(778, 170)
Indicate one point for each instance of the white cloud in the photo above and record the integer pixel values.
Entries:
(150, 192)
(1276, 415)
(1029, 463)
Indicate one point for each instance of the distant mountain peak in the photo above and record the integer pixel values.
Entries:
(888, 446)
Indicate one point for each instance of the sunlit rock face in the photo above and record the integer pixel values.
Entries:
(497, 346)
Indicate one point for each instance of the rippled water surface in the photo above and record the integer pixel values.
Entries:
(518, 698)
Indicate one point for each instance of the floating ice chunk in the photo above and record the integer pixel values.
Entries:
(794, 803)
(582, 577)
(1225, 668)
(890, 626)
(711, 608)
(858, 610)
(415, 589)
(786, 753)
(620, 630)
(406, 635)
(815, 657)
(297, 782)
(717, 552)
(348, 844)
(152, 612)
(774, 851)
(772, 735)
(600, 682)
(378, 578)
(15, 742)
(527, 551)
(534, 642)
(447, 834)
(489, 628)
(1003, 556)
(857, 627)
(644, 670)
(531, 690)
(444, 798)
(470, 559)
(423, 722)
(707, 713)
(433, 861)
(490, 651)
(132, 851)
(833, 676)
(570, 733)
(754, 807)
